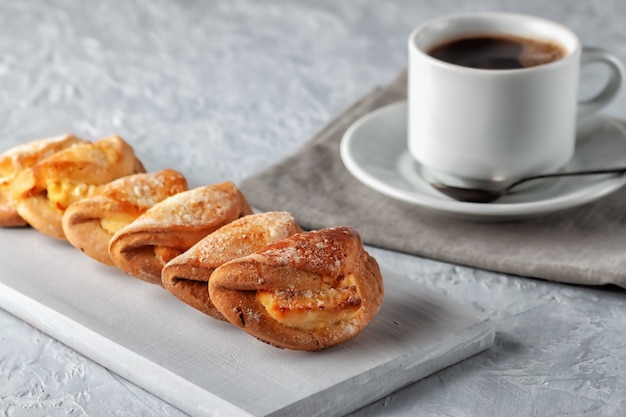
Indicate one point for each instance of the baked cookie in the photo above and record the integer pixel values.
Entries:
(17, 159)
(307, 292)
(42, 192)
(187, 276)
(90, 223)
(172, 226)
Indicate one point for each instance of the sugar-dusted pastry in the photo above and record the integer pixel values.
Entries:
(90, 223)
(17, 159)
(43, 191)
(172, 226)
(187, 276)
(307, 292)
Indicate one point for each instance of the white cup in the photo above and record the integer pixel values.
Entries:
(481, 128)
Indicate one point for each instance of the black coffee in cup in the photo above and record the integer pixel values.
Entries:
(498, 52)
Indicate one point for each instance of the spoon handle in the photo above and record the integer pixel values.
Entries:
(617, 170)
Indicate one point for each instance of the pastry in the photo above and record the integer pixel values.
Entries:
(17, 159)
(187, 276)
(307, 292)
(90, 223)
(172, 226)
(42, 192)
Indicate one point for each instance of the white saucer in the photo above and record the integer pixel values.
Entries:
(374, 150)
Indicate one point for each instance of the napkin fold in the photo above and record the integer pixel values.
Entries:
(583, 245)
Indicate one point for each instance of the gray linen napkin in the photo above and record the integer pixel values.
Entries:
(583, 245)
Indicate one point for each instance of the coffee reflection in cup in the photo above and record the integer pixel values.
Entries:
(498, 52)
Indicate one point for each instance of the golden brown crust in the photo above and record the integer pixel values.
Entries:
(9, 216)
(17, 159)
(172, 226)
(90, 223)
(303, 265)
(187, 275)
(71, 174)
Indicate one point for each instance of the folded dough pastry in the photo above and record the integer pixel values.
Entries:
(90, 223)
(42, 192)
(187, 276)
(172, 226)
(307, 292)
(17, 159)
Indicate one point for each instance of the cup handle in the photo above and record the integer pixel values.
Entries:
(610, 90)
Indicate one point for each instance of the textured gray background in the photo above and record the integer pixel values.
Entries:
(222, 89)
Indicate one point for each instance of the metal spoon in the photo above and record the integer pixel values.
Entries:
(475, 195)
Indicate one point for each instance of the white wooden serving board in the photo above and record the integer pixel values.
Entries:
(206, 367)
